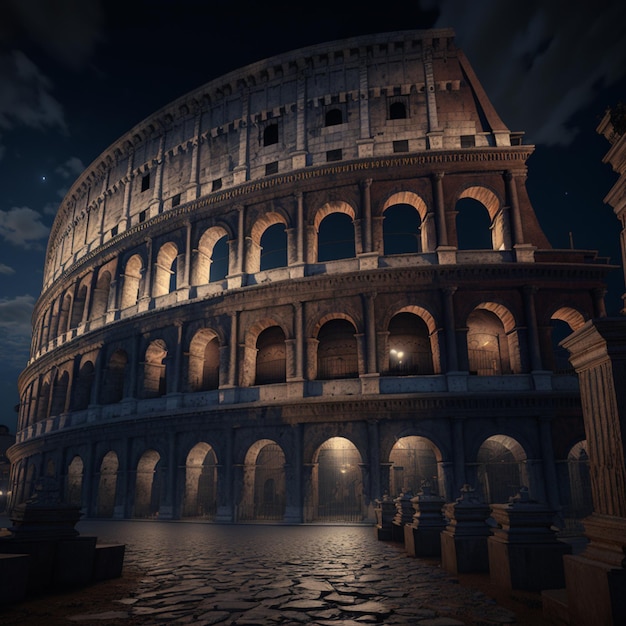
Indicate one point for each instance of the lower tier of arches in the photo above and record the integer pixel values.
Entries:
(260, 468)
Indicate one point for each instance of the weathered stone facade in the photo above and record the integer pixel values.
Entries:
(262, 301)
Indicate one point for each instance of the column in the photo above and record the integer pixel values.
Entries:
(194, 178)
(366, 199)
(157, 191)
(300, 228)
(298, 321)
(373, 439)
(128, 182)
(513, 202)
(187, 275)
(440, 216)
(599, 308)
(458, 452)
(234, 342)
(549, 467)
(533, 333)
(370, 332)
(450, 329)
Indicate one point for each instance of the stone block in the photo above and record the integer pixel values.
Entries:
(460, 555)
(14, 577)
(422, 541)
(74, 561)
(108, 561)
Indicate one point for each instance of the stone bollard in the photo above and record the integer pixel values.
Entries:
(422, 537)
(403, 516)
(524, 552)
(464, 540)
(385, 512)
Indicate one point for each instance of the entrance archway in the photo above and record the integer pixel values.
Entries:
(107, 485)
(501, 468)
(148, 485)
(200, 482)
(337, 482)
(414, 461)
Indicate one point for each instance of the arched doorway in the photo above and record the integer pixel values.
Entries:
(579, 503)
(148, 485)
(107, 485)
(75, 482)
(200, 482)
(414, 462)
(264, 489)
(337, 482)
(501, 469)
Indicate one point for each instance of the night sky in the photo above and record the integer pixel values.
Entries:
(75, 75)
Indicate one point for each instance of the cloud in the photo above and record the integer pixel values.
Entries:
(25, 97)
(15, 329)
(5, 269)
(22, 227)
(72, 168)
(541, 63)
(68, 30)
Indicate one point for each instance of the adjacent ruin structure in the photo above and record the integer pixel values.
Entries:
(309, 282)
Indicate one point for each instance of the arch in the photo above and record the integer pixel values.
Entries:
(154, 369)
(501, 468)
(333, 117)
(264, 483)
(43, 398)
(100, 299)
(200, 498)
(211, 259)
(334, 225)
(474, 232)
(410, 346)
(204, 360)
(271, 356)
(337, 354)
(82, 388)
(273, 247)
(165, 270)
(64, 314)
(336, 486)
(132, 280)
(107, 485)
(573, 318)
(270, 135)
(397, 111)
(114, 376)
(59, 393)
(491, 340)
(415, 461)
(75, 481)
(401, 230)
(78, 309)
(148, 485)
(407, 197)
(578, 501)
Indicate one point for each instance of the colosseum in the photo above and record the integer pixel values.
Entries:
(310, 282)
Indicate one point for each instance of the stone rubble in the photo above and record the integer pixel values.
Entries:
(205, 574)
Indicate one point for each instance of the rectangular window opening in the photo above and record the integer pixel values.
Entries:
(271, 168)
(468, 141)
(217, 184)
(401, 146)
(176, 200)
(145, 182)
(334, 155)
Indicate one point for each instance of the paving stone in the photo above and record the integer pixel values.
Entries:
(441, 621)
(317, 585)
(377, 608)
(212, 617)
(303, 604)
(340, 598)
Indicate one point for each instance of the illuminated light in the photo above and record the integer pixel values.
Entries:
(400, 355)
(393, 351)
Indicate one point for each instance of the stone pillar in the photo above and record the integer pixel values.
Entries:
(450, 329)
(366, 199)
(293, 477)
(533, 333)
(422, 537)
(440, 215)
(596, 579)
(513, 202)
(464, 540)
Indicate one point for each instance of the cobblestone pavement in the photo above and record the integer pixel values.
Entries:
(205, 574)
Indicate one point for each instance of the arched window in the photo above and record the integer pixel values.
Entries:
(397, 111)
(270, 135)
(413, 462)
(409, 346)
(82, 390)
(401, 230)
(473, 225)
(154, 381)
(333, 117)
(336, 238)
(165, 274)
(200, 482)
(148, 485)
(501, 468)
(487, 344)
(101, 295)
(113, 387)
(274, 247)
(271, 356)
(337, 351)
(219, 260)
(64, 314)
(204, 361)
(132, 278)
(59, 394)
(79, 307)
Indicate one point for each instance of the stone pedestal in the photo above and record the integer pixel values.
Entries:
(403, 516)
(385, 512)
(422, 537)
(524, 552)
(464, 540)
